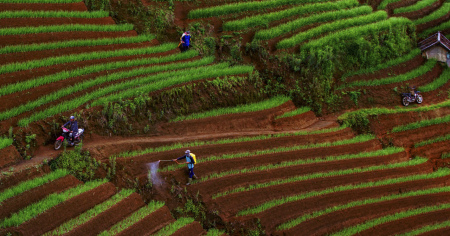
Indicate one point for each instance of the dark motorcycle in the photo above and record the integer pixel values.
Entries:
(66, 135)
(411, 97)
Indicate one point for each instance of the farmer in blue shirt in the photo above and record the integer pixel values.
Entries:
(73, 128)
(185, 41)
(190, 161)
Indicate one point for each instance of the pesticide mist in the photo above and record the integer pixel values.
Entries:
(153, 175)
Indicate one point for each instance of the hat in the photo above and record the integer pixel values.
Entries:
(187, 32)
(72, 117)
(187, 152)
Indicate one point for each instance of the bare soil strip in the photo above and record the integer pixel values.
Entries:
(36, 194)
(108, 218)
(444, 231)
(405, 225)
(432, 151)
(410, 137)
(30, 22)
(193, 229)
(79, 6)
(432, 23)
(67, 210)
(420, 13)
(151, 223)
(336, 221)
(8, 181)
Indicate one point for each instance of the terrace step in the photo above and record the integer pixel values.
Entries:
(410, 137)
(17, 175)
(9, 156)
(420, 13)
(193, 229)
(22, 22)
(151, 223)
(79, 6)
(432, 151)
(108, 218)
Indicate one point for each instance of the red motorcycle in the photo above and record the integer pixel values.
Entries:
(66, 135)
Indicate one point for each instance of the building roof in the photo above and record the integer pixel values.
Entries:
(437, 38)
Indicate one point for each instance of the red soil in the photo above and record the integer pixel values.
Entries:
(443, 231)
(339, 220)
(151, 223)
(224, 183)
(432, 151)
(9, 155)
(108, 218)
(66, 210)
(422, 12)
(16, 203)
(405, 225)
(79, 6)
(31, 22)
(9, 40)
(296, 122)
(193, 229)
(433, 23)
(410, 137)
(391, 6)
(8, 181)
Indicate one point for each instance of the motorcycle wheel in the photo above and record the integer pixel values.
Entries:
(79, 140)
(419, 99)
(405, 101)
(58, 144)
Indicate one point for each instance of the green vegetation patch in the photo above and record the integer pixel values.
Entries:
(77, 162)
(427, 228)
(384, 3)
(442, 11)
(433, 140)
(53, 14)
(215, 232)
(133, 218)
(30, 184)
(277, 202)
(437, 83)
(173, 227)
(5, 142)
(50, 201)
(64, 28)
(422, 123)
(264, 105)
(91, 213)
(441, 27)
(309, 216)
(295, 112)
(415, 7)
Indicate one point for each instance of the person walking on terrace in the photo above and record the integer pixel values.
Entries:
(190, 160)
(185, 41)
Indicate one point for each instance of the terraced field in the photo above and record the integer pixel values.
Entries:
(372, 168)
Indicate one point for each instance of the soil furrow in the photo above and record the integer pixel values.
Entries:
(432, 151)
(66, 210)
(31, 22)
(151, 223)
(409, 137)
(432, 23)
(79, 6)
(108, 218)
(193, 229)
(414, 15)
(26, 174)
(36, 194)
(338, 220)
(443, 231)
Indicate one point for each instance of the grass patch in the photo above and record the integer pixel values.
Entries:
(445, 155)
(415, 7)
(397, 216)
(50, 201)
(30, 184)
(90, 214)
(384, 3)
(173, 227)
(53, 14)
(264, 105)
(441, 27)
(295, 112)
(5, 142)
(215, 232)
(433, 140)
(442, 11)
(277, 202)
(422, 123)
(64, 28)
(309, 216)
(385, 152)
(437, 83)
(133, 218)
(75, 43)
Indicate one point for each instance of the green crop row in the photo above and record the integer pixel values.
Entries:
(278, 202)
(222, 141)
(309, 216)
(91, 213)
(50, 201)
(358, 139)
(295, 112)
(357, 31)
(384, 152)
(40, 1)
(383, 111)
(314, 18)
(384, 3)
(215, 232)
(433, 140)
(397, 216)
(64, 28)
(265, 19)
(75, 43)
(421, 124)
(445, 155)
(104, 79)
(59, 14)
(173, 227)
(242, 7)
(385, 65)
(20, 66)
(427, 228)
(5, 142)
(396, 79)
(20, 86)
(334, 26)
(437, 83)
(144, 85)
(442, 11)
(147, 88)
(415, 7)
(441, 27)
(259, 106)
(30, 184)
(133, 218)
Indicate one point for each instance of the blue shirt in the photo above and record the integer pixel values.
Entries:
(189, 160)
(73, 126)
(186, 39)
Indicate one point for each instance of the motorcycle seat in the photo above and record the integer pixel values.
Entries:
(406, 94)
